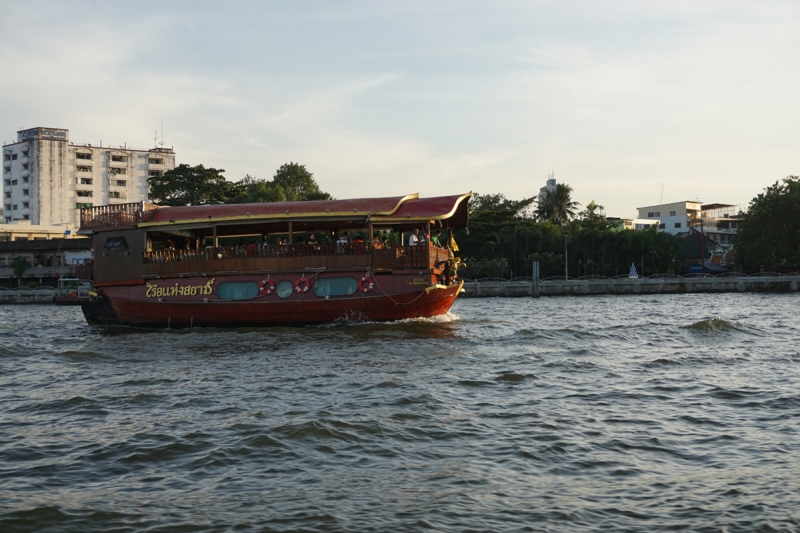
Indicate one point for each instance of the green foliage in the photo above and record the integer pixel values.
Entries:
(32, 284)
(505, 232)
(550, 264)
(557, 206)
(252, 190)
(20, 265)
(484, 268)
(186, 185)
(592, 217)
(769, 232)
(298, 183)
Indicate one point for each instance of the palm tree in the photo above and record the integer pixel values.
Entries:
(557, 205)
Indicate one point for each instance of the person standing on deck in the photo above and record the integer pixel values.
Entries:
(413, 239)
(435, 239)
(343, 243)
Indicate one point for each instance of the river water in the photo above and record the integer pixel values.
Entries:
(606, 413)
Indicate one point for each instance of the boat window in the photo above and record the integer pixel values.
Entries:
(115, 244)
(335, 286)
(284, 289)
(237, 290)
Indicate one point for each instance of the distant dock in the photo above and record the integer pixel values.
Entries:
(652, 285)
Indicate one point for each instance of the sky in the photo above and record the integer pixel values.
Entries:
(630, 103)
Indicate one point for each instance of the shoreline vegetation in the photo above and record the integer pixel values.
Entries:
(505, 237)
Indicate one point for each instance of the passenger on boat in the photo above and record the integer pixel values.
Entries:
(377, 244)
(413, 239)
(343, 243)
(358, 245)
(435, 239)
(312, 239)
(385, 242)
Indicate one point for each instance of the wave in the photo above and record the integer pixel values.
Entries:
(713, 325)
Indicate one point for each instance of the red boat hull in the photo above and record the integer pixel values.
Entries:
(271, 312)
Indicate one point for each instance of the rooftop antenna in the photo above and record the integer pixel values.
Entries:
(662, 194)
(161, 144)
(155, 138)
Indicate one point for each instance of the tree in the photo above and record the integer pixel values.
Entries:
(557, 206)
(20, 265)
(186, 185)
(593, 216)
(298, 183)
(254, 190)
(769, 232)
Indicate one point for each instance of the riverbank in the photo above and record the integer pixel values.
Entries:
(665, 285)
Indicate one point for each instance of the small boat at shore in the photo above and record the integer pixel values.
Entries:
(72, 291)
(219, 265)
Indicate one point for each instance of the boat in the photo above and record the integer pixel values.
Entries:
(72, 291)
(258, 264)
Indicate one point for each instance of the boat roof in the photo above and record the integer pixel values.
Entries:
(408, 210)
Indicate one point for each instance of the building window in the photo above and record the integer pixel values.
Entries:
(658, 213)
(677, 224)
(662, 226)
(155, 173)
(83, 156)
(8, 220)
(8, 207)
(7, 157)
(26, 192)
(13, 157)
(115, 244)
(122, 183)
(118, 170)
(14, 207)
(672, 213)
(155, 161)
(119, 158)
(13, 182)
(25, 179)
(86, 181)
(84, 169)
(25, 205)
(26, 217)
(25, 166)
(84, 193)
(650, 214)
(113, 194)
(8, 195)
(8, 182)
(82, 206)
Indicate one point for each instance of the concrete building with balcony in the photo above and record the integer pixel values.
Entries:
(23, 230)
(672, 218)
(720, 222)
(47, 179)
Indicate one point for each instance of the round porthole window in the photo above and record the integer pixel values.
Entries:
(284, 289)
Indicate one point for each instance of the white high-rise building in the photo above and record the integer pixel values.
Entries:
(47, 179)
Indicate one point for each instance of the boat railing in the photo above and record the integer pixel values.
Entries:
(116, 215)
(402, 257)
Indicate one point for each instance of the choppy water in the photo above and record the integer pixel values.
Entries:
(666, 413)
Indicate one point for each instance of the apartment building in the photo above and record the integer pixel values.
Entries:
(47, 179)
(674, 217)
(719, 221)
